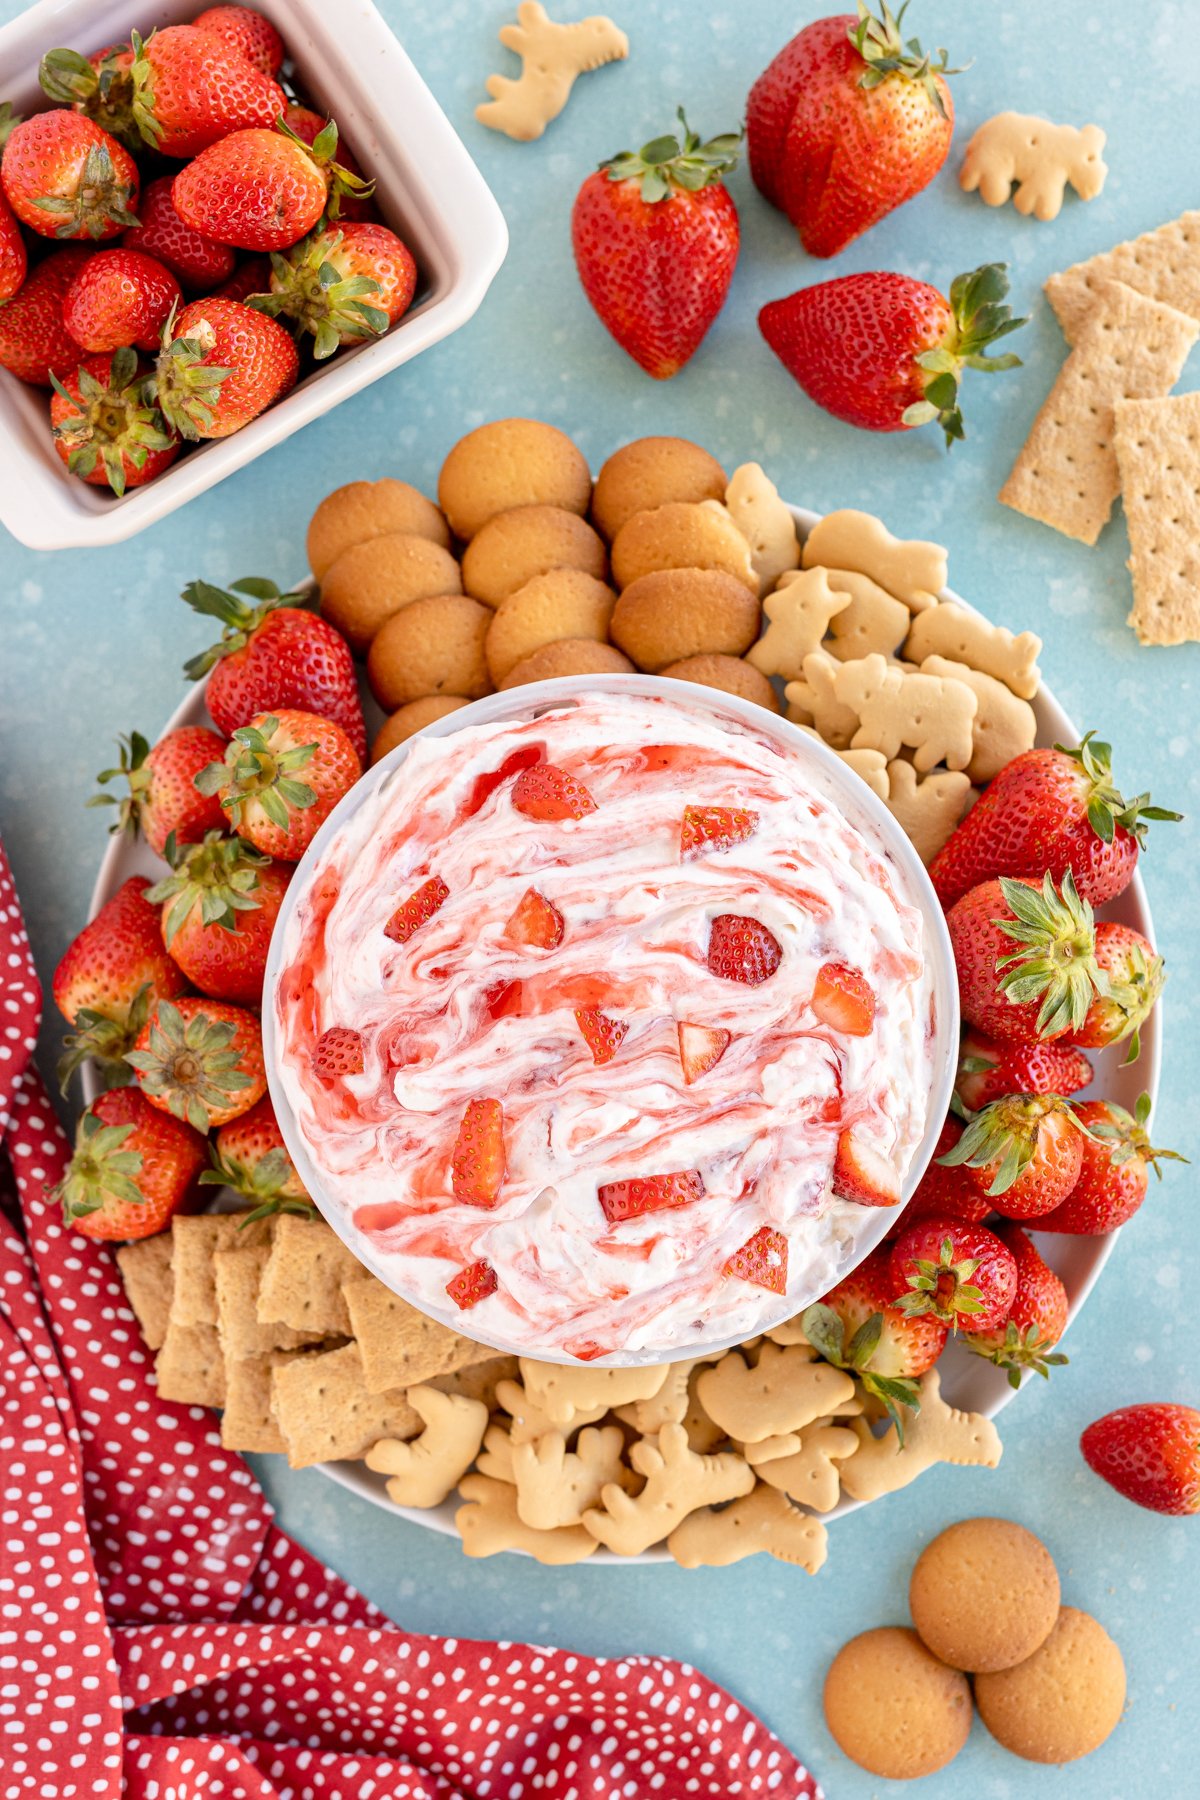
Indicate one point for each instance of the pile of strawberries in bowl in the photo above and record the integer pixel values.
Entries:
(178, 232)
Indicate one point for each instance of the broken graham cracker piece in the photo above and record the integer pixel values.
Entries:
(302, 1281)
(237, 1275)
(189, 1367)
(1163, 264)
(1131, 348)
(399, 1345)
(325, 1413)
(1158, 455)
(145, 1268)
(247, 1421)
(195, 1238)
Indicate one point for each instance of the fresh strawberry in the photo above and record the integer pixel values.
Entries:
(377, 278)
(621, 1200)
(535, 922)
(106, 427)
(274, 652)
(219, 906)
(200, 1060)
(246, 31)
(885, 352)
(602, 1035)
(708, 828)
(417, 910)
(338, 1052)
(308, 126)
(861, 1175)
(133, 1168)
(1115, 1172)
(65, 177)
(988, 1071)
(14, 259)
(1134, 976)
(99, 85)
(188, 88)
(473, 1284)
(762, 1259)
(252, 276)
(198, 262)
(544, 792)
(1149, 1453)
(846, 124)
(222, 364)
(477, 1164)
(1038, 1318)
(1025, 1153)
(858, 1328)
(250, 1156)
(120, 297)
(946, 1192)
(701, 1048)
(161, 796)
(742, 949)
(280, 778)
(961, 1274)
(656, 237)
(35, 345)
(263, 190)
(1047, 812)
(843, 999)
(1026, 959)
(109, 977)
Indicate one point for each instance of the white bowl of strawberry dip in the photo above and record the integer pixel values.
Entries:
(594, 1005)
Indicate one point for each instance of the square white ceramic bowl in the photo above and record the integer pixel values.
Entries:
(429, 191)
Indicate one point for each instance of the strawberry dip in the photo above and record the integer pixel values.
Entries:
(603, 1030)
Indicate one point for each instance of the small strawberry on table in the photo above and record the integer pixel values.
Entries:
(134, 1167)
(1150, 1454)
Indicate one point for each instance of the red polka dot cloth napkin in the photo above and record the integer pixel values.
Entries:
(160, 1637)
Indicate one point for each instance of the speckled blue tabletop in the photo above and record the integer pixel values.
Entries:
(92, 643)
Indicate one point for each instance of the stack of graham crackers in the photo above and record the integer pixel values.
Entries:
(276, 1323)
(1109, 426)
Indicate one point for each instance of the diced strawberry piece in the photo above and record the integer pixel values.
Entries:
(649, 1193)
(535, 922)
(741, 949)
(762, 1259)
(477, 1166)
(714, 828)
(701, 1048)
(417, 910)
(862, 1175)
(503, 999)
(843, 999)
(337, 1052)
(546, 792)
(486, 785)
(473, 1284)
(602, 1035)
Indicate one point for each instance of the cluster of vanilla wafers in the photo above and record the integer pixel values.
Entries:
(720, 1458)
(1110, 424)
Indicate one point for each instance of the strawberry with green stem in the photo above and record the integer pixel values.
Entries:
(945, 1192)
(219, 906)
(265, 190)
(220, 365)
(1025, 954)
(133, 1169)
(200, 1060)
(280, 778)
(274, 652)
(857, 1327)
(956, 1272)
(1025, 1152)
(65, 177)
(105, 425)
(1114, 1175)
(98, 85)
(656, 236)
(250, 1156)
(159, 796)
(1150, 1454)
(1026, 1339)
(885, 352)
(341, 285)
(1132, 978)
(109, 977)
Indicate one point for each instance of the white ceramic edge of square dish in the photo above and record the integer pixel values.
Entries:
(429, 190)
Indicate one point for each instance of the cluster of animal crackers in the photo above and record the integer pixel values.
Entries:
(1110, 424)
(990, 1634)
(526, 570)
(308, 1355)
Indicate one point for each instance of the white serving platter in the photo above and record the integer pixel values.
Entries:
(968, 1382)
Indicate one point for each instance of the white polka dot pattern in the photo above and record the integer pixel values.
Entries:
(160, 1637)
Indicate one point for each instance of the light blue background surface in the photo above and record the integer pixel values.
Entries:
(92, 643)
